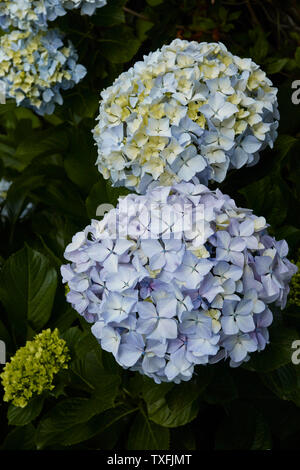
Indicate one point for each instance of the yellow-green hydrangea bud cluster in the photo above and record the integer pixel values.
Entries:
(34, 68)
(188, 109)
(294, 295)
(32, 369)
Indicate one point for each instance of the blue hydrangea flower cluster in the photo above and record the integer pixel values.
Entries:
(34, 68)
(177, 277)
(187, 109)
(35, 14)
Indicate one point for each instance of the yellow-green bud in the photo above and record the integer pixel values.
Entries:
(31, 370)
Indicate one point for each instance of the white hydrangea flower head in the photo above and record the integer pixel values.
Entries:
(35, 14)
(34, 68)
(177, 277)
(187, 109)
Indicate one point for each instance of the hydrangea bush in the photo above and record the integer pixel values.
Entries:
(35, 14)
(35, 68)
(32, 369)
(187, 109)
(177, 277)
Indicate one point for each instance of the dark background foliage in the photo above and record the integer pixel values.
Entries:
(51, 161)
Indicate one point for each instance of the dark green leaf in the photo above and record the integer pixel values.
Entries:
(145, 435)
(243, 429)
(27, 288)
(21, 416)
(21, 438)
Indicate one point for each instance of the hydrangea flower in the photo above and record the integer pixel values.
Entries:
(34, 68)
(35, 14)
(177, 277)
(32, 369)
(187, 109)
(4, 187)
(87, 7)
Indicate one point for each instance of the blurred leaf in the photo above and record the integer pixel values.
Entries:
(274, 66)
(142, 27)
(284, 144)
(97, 196)
(153, 3)
(119, 45)
(79, 161)
(268, 197)
(111, 14)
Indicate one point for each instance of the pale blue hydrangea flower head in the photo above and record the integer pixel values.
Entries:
(177, 277)
(35, 68)
(187, 109)
(87, 7)
(35, 14)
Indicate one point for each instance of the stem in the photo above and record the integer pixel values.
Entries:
(252, 13)
(135, 13)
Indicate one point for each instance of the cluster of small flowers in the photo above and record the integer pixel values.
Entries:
(294, 297)
(177, 277)
(35, 14)
(34, 68)
(34, 63)
(187, 109)
(32, 369)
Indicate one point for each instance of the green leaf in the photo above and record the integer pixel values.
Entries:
(277, 353)
(119, 45)
(142, 28)
(97, 196)
(222, 388)
(268, 197)
(35, 143)
(27, 288)
(91, 372)
(284, 144)
(64, 416)
(145, 435)
(285, 382)
(154, 3)
(297, 56)
(21, 416)
(77, 422)
(175, 408)
(72, 336)
(276, 65)
(82, 171)
(111, 14)
(243, 429)
(21, 438)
